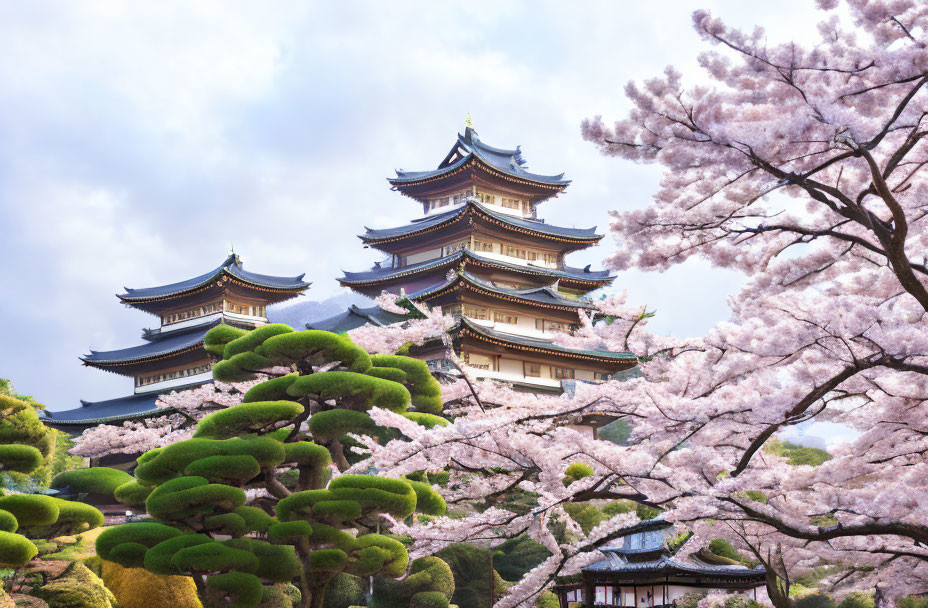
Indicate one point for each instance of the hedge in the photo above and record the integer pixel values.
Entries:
(97, 482)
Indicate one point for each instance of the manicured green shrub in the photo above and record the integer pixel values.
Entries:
(723, 548)
(170, 461)
(577, 471)
(423, 387)
(31, 509)
(515, 557)
(147, 534)
(430, 583)
(428, 501)
(334, 424)
(217, 338)
(243, 590)
(132, 494)
(271, 390)
(232, 470)
(187, 496)
(8, 522)
(75, 517)
(344, 591)
(247, 418)
(351, 390)
(427, 420)
(98, 483)
(19, 458)
(15, 550)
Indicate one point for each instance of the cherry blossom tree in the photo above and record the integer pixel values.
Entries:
(803, 169)
(183, 410)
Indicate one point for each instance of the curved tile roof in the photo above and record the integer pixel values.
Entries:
(468, 148)
(181, 339)
(473, 206)
(538, 343)
(232, 266)
(385, 274)
(356, 317)
(539, 295)
(616, 562)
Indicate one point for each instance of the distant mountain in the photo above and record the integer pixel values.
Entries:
(301, 312)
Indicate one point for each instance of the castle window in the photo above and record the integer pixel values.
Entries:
(500, 317)
(532, 370)
(562, 373)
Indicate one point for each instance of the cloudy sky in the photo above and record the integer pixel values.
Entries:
(137, 141)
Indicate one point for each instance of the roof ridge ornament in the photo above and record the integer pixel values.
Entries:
(468, 122)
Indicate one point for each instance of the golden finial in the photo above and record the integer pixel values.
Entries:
(468, 122)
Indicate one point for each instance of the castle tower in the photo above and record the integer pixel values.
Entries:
(481, 252)
(172, 356)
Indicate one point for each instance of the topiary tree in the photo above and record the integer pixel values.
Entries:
(96, 485)
(21, 428)
(250, 502)
(430, 584)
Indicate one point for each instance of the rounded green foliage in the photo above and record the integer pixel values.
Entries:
(429, 599)
(274, 389)
(577, 470)
(427, 420)
(15, 550)
(351, 390)
(428, 501)
(170, 461)
(145, 533)
(230, 470)
(226, 523)
(816, 600)
(75, 517)
(251, 340)
(388, 373)
(723, 548)
(216, 339)
(334, 424)
(130, 555)
(243, 590)
(424, 388)
(214, 557)
(132, 494)
(427, 575)
(289, 532)
(379, 554)
(31, 509)
(317, 347)
(307, 454)
(344, 591)
(327, 535)
(8, 521)
(99, 483)
(328, 560)
(158, 558)
(256, 520)
(337, 511)
(376, 494)
(21, 425)
(247, 418)
(185, 496)
(276, 563)
(19, 458)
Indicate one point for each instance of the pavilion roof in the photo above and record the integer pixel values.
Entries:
(469, 149)
(231, 267)
(473, 207)
(160, 346)
(356, 317)
(546, 296)
(616, 562)
(378, 274)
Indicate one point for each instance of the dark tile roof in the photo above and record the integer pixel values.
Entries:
(356, 317)
(386, 273)
(111, 410)
(615, 561)
(539, 295)
(473, 206)
(469, 147)
(233, 266)
(539, 343)
(161, 345)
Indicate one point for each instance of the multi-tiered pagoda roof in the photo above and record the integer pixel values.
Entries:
(482, 254)
(172, 356)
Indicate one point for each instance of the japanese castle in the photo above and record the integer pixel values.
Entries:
(481, 253)
(172, 356)
(642, 570)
